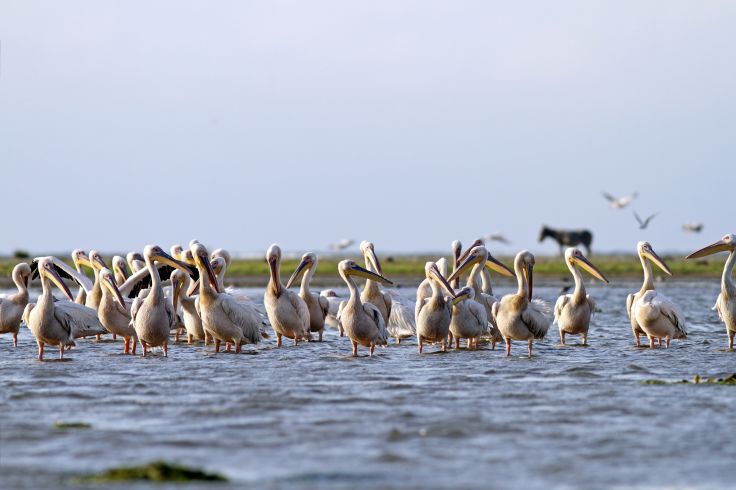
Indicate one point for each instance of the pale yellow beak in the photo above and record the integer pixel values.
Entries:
(176, 285)
(592, 269)
(56, 279)
(496, 265)
(713, 248)
(301, 268)
(463, 266)
(652, 255)
(435, 271)
(357, 270)
(371, 256)
(109, 283)
(462, 295)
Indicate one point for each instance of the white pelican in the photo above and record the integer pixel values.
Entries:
(135, 261)
(79, 258)
(223, 318)
(652, 313)
(58, 322)
(113, 311)
(518, 316)
(362, 322)
(371, 291)
(480, 261)
(573, 311)
(726, 302)
(457, 250)
(224, 254)
(402, 320)
(12, 306)
(175, 251)
(287, 312)
(424, 290)
(152, 316)
(434, 313)
(180, 283)
(96, 264)
(620, 202)
(333, 306)
(469, 319)
(120, 270)
(318, 305)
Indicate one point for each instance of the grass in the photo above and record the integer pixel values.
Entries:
(697, 380)
(404, 266)
(156, 471)
(71, 425)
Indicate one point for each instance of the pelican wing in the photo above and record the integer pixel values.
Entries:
(401, 320)
(27, 312)
(629, 305)
(672, 312)
(479, 312)
(65, 271)
(591, 304)
(562, 301)
(324, 305)
(536, 317)
(301, 309)
(79, 320)
(246, 317)
(137, 302)
(494, 312)
(720, 306)
(375, 314)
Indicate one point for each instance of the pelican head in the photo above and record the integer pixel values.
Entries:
(134, 260)
(524, 264)
(80, 258)
(478, 255)
(725, 244)
(432, 272)
(348, 268)
(218, 264)
(178, 282)
(46, 268)
(457, 249)
(221, 252)
(369, 253)
(647, 252)
(154, 253)
(477, 243)
(187, 257)
(573, 256)
(465, 293)
(95, 259)
(308, 261)
(202, 261)
(176, 251)
(119, 266)
(107, 279)
(22, 273)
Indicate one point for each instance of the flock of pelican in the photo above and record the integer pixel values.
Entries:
(145, 297)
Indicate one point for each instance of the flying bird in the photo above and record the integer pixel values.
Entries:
(342, 244)
(620, 202)
(497, 237)
(692, 227)
(644, 223)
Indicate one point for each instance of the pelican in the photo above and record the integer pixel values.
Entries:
(333, 306)
(222, 316)
(652, 313)
(402, 320)
(58, 322)
(371, 291)
(620, 202)
(573, 311)
(175, 251)
(222, 253)
(726, 302)
(135, 261)
(424, 290)
(287, 312)
(434, 313)
(318, 305)
(481, 261)
(79, 258)
(113, 312)
(152, 316)
(11, 307)
(469, 319)
(363, 322)
(120, 270)
(517, 316)
(180, 283)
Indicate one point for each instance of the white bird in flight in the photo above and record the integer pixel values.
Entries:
(692, 227)
(342, 244)
(620, 202)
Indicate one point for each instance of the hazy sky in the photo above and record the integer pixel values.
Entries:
(407, 123)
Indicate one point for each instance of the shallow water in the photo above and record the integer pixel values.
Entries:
(313, 417)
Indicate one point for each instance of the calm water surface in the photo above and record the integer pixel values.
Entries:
(313, 417)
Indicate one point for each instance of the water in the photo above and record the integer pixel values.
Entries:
(313, 417)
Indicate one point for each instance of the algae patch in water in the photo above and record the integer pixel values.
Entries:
(71, 425)
(697, 380)
(156, 471)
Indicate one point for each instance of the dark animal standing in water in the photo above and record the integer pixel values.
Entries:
(568, 238)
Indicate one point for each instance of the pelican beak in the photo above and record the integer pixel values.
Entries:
(193, 288)
(588, 266)
(464, 265)
(652, 255)
(98, 263)
(210, 274)
(56, 279)
(371, 256)
(176, 285)
(357, 270)
(167, 259)
(495, 265)
(109, 282)
(529, 271)
(84, 260)
(435, 271)
(303, 266)
(465, 254)
(462, 295)
(719, 246)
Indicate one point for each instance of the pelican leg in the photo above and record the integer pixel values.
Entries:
(508, 347)
(444, 344)
(190, 338)
(15, 339)
(398, 340)
(237, 347)
(651, 342)
(143, 346)
(730, 340)
(529, 348)
(320, 335)
(296, 339)
(40, 350)
(166, 348)
(373, 348)
(217, 345)
(562, 337)
(114, 337)
(659, 341)
(227, 347)
(126, 346)
(355, 348)
(638, 342)
(493, 345)
(61, 350)
(177, 335)
(135, 342)
(449, 336)
(667, 345)
(98, 337)
(207, 338)
(585, 339)
(278, 339)
(420, 342)
(457, 343)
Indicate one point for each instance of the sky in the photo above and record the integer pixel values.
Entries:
(408, 123)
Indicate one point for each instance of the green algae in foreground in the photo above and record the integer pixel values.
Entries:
(156, 471)
(697, 380)
(71, 425)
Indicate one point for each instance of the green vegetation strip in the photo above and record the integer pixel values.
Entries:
(156, 471)
(697, 380)
(71, 425)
